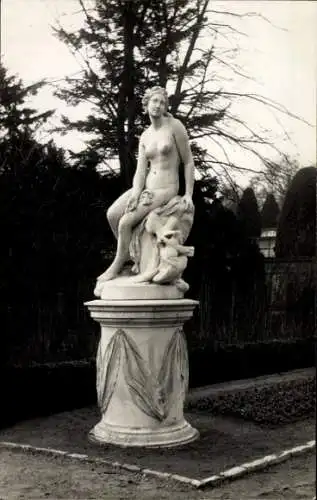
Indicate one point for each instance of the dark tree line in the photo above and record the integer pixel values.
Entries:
(53, 228)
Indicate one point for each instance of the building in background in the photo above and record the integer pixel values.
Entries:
(266, 242)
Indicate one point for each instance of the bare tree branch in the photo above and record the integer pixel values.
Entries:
(188, 54)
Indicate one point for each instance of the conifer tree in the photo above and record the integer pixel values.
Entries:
(270, 212)
(248, 214)
(16, 116)
(296, 233)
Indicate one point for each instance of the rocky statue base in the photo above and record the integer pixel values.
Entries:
(142, 365)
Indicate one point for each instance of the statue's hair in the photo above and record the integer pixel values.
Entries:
(155, 90)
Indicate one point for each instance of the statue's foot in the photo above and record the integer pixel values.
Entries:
(111, 273)
(139, 278)
(143, 278)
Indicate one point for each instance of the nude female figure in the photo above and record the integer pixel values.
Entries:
(162, 146)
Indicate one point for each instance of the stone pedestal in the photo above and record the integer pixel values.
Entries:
(142, 372)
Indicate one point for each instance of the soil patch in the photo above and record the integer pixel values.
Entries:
(224, 442)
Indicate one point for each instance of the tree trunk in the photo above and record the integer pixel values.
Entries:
(126, 99)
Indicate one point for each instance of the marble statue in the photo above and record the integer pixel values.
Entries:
(151, 221)
(142, 363)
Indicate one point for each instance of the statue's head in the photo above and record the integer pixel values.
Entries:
(152, 92)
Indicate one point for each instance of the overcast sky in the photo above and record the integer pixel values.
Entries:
(280, 56)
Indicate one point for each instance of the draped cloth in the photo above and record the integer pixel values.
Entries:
(143, 247)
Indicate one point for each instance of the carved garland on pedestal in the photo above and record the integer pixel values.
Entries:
(152, 394)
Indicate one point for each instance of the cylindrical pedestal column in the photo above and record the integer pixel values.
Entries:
(142, 372)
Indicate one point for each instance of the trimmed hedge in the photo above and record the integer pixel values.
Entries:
(233, 362)
(38, 390)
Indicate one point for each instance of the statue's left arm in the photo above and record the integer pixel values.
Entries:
(183, 146)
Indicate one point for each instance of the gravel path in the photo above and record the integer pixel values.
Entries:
(28, 476)
(224, 442)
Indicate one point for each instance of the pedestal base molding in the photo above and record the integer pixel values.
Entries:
(167, 437)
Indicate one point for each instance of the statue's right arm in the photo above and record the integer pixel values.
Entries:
(141, 169)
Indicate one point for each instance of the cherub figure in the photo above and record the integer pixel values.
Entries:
(173, 257)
